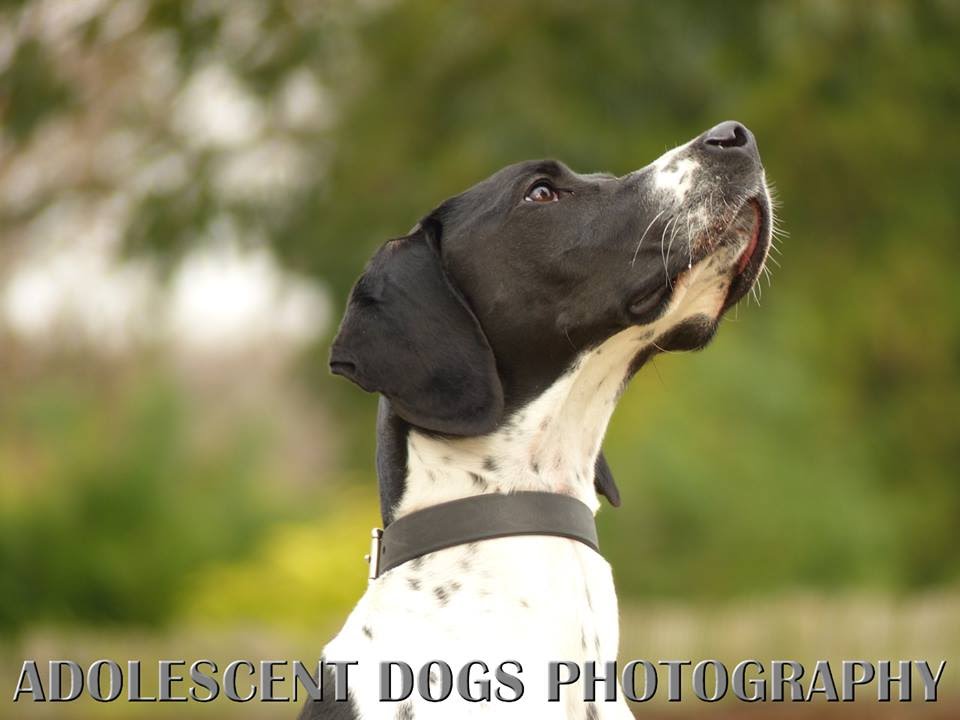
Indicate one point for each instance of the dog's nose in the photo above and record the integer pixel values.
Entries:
(730, 136)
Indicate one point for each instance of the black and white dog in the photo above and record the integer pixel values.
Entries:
(500, 333)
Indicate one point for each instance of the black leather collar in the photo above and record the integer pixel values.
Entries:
(481, 517)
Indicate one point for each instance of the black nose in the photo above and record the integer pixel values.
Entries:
(730, 135)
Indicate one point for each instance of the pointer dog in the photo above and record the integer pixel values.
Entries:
(500, 333)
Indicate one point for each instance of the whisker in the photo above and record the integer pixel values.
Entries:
(637, 251)
(663, 236)
(768, 275)
(662, 349)
(673, 234)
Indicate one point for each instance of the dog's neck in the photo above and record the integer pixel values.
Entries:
(549, 445)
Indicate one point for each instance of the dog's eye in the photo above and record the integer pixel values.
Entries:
(542, 193)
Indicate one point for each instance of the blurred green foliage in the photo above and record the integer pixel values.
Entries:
(109, 503)
(301, 575)
(815, 443)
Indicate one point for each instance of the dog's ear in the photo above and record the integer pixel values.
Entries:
(409, 335)
(603, 481)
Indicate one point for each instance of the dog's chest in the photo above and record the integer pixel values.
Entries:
(529, 600)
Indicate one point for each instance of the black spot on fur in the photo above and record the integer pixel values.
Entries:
(479, 481)
(592, 712)
(367, 631)
(489, 464)
(454, 586)
(583, 639)
(405, 711)
(535, 466)
(432, 476)
(417, 563)
(443, 597)
(413, 583)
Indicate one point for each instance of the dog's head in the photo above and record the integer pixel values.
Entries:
(499, 291)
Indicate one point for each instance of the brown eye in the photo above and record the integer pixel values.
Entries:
(542, 193)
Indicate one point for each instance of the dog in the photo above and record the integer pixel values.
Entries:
(500, 333)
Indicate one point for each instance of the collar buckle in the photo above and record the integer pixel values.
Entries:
(373, 559)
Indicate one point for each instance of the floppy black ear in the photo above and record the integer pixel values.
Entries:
(409, 335)
(603, 481)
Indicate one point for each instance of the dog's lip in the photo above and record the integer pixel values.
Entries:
(751, 247)
(753, 255)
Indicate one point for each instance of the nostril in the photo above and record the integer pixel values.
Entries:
(728, 134)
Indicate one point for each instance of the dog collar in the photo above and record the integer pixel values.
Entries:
(480, 517)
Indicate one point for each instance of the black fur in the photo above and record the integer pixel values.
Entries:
(408, 335)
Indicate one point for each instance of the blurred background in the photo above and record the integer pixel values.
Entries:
(188, 188)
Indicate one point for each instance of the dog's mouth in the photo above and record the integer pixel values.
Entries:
(749, 226)
(738, 239)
